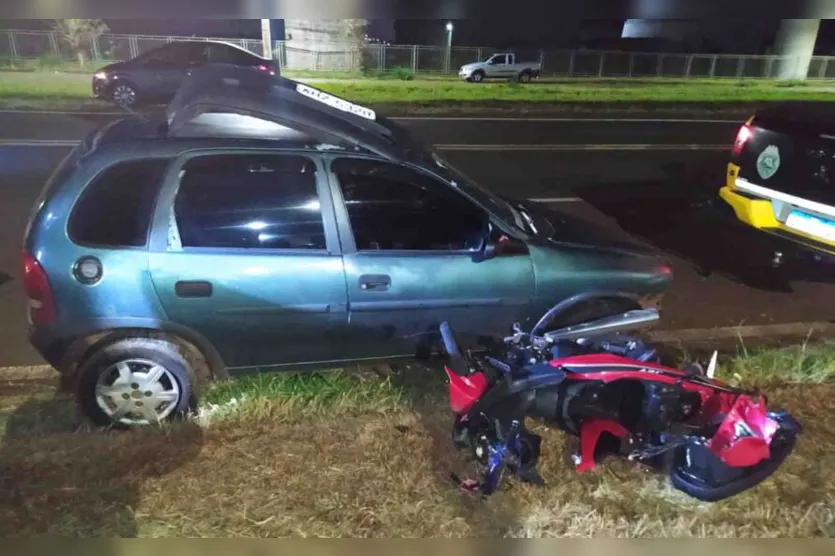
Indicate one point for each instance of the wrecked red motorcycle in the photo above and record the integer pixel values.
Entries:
(612, 392)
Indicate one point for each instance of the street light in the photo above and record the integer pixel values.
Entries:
(448, 45)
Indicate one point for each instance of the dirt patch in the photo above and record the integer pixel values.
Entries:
(367, 474)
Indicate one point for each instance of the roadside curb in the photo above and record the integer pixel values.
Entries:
(694, 335)
(769, 331)
(467, 109)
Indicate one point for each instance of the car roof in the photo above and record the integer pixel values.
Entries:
(209, 41)
(223, 101)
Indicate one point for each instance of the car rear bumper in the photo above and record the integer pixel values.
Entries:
(48, 346)
(753, 220)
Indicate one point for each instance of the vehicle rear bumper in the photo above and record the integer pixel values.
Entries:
(753, 218)
(51, 348)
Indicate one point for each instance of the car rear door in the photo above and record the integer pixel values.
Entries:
(245, 253)
(168, 67)
(411, 245)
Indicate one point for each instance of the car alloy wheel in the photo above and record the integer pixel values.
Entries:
(478, 77)
(124, 95)
(525, 77)
(137, 392)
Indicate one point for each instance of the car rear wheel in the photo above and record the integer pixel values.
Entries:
(124, 94)
(135, 382)
(525, 77)
(477, 77)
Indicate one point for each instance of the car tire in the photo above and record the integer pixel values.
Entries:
(124, 94)
(477, 76)
(135, 382)
(525, 77)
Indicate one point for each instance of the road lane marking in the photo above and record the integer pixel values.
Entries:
(38, 143)
(437, 118)
(566, 147)
(577, 147)
(566, 120)
(63, 112)
(556, 200)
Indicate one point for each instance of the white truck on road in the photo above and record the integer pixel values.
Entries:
(503, 65)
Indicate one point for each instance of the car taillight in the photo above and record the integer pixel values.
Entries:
(38, 292)
(263, 67)
(742, 137)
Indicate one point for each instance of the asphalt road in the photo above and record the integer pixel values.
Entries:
(642, 178)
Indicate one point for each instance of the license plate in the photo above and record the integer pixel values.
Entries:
(336, 102)
(812, 225)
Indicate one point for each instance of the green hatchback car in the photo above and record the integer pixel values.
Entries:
(261, 224)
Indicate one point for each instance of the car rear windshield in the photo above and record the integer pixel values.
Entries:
(115, 208)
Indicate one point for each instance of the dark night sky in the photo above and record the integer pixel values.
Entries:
(563, 32)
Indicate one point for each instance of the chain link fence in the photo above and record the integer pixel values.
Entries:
(17, 45)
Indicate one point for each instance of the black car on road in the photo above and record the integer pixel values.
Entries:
(156, 75)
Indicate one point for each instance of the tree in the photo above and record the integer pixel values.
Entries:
(354, 33)
(79, 34)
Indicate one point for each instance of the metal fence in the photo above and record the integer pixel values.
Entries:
(49, 46)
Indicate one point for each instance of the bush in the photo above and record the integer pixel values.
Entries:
(403, 73)
(50, 62)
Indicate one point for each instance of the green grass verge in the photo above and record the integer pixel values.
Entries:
(368, 454)
(41, 88)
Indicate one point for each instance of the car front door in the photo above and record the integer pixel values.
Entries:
(498, 66)
(412, 250)
(244, 253)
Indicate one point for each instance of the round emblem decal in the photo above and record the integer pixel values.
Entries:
(768, 162)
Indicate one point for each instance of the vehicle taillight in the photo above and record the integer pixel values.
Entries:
(262, 67)
(742, 137)
(38, 292)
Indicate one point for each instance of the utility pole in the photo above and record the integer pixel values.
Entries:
(266, 38)
(448, 46)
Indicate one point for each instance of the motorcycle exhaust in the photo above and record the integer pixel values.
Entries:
(606, 325)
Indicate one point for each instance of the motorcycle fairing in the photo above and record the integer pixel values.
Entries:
(735, 457)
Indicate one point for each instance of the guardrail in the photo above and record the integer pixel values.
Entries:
(16, 44)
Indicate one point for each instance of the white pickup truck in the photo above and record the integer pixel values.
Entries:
(503, 65)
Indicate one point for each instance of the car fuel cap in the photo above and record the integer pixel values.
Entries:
(88, 270)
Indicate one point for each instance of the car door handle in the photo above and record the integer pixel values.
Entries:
(375, 282)
(196, 288)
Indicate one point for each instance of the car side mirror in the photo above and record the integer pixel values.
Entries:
(494, 247)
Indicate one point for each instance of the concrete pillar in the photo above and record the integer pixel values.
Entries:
(796, 41)
(266, 39)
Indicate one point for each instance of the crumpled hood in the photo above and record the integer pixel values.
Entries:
(557, 227)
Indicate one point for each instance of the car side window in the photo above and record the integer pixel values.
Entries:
(249, 201)
(394, 208)
(500, 59)
(162, 56)
(115, 208)
(176, 55)
(224, 54)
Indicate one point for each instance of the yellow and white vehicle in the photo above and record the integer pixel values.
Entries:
(781, 180)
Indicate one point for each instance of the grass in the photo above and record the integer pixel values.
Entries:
(402, 91)
(367, 454)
